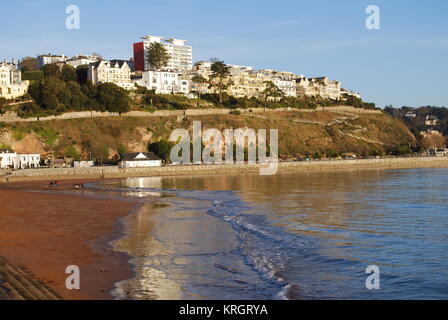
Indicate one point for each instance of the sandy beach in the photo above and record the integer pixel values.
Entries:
(46, 232)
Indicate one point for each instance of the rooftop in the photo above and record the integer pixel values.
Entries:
(140, 156)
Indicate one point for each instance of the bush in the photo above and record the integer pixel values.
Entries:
(71, 152)
(18, 133)
(402, 150)
(235, 112)
(162, 149)
(332, 154)
(121, 150)
(49, 136)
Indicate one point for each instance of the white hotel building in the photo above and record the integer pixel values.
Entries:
(44, 59)
(163, 82)
(80, 60)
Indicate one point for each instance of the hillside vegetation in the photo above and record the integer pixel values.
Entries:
(314, 134)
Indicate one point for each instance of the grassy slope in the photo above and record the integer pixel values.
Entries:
(294, 137)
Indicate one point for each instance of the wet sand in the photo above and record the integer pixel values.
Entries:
(46, 232)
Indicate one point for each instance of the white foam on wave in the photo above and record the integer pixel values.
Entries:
(264, 246)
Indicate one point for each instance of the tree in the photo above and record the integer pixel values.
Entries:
(219, 78)
(77, 99)
(121, 151)
(113, 98)
(31, 109)
(71, 152)
(53, 96)
(81, 74)
(272, 90)
(101, 153)
(31, 64)
(68, 73)
(162, 149)
(433, 141)
(200, 82)
(51, 70)
(158, 57)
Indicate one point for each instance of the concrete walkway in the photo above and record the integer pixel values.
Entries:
(15, 284)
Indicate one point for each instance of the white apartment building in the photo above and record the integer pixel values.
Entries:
(12, 160)
(181, 54)
(11, 84)
(44, 59)
(284, 80)
(164, 82)
(347, 93)
(248, 82)
(322, 86)
(114, 71)
(80, 60)
(204, 69)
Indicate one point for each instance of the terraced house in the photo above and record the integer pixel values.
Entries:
(114, 71)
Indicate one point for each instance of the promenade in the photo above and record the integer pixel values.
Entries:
(112, 172)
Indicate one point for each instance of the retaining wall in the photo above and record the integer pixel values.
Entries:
(115, 172)
(12, 116)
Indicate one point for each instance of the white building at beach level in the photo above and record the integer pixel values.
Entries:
(140, 160)
(12, 160)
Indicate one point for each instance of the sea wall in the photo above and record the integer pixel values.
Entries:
(10, 116)
(115, 172)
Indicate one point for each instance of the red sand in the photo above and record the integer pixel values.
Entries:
(45, 233)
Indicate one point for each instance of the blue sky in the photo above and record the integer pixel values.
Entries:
(403, 63)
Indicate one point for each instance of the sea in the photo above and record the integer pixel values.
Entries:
(292, 236)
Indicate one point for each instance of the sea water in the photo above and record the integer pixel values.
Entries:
(288, 236)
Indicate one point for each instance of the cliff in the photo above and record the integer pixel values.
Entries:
(300, 132)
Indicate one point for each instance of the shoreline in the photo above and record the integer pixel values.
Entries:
(64, 228)
(113, 172)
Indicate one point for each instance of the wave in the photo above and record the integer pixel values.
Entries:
(266, 248)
